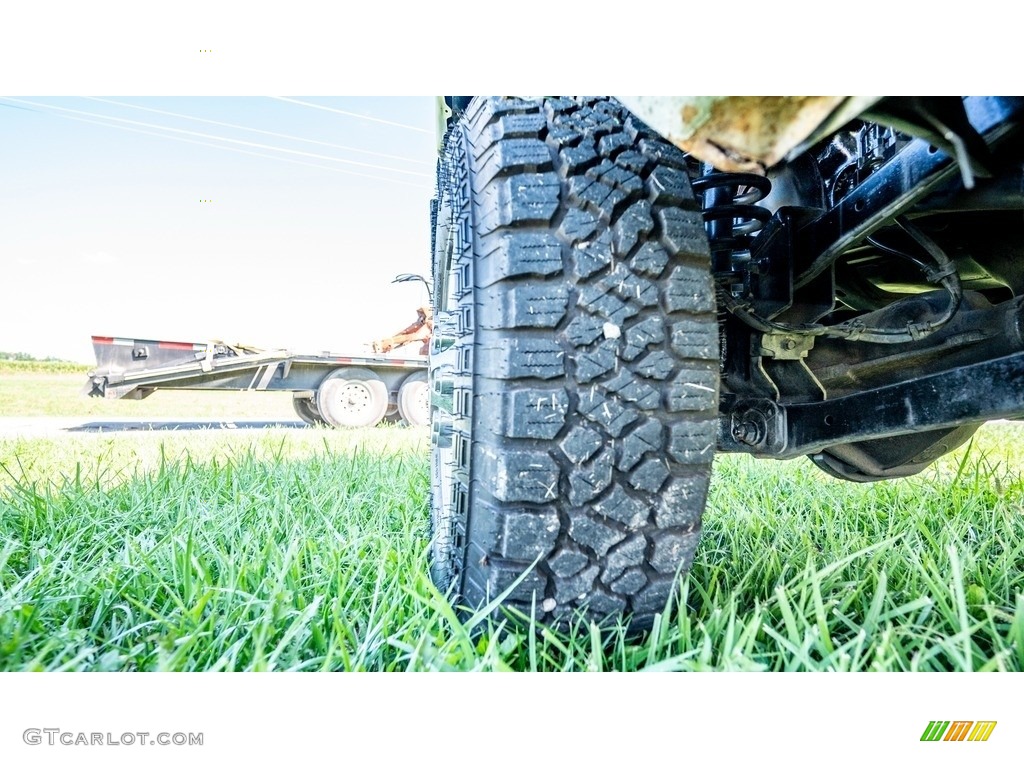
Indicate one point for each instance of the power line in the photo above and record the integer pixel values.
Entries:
(222, 138)
(258, 130)
(241, 151)
(15, 106)
(352, 114)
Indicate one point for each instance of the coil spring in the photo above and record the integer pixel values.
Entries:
(731, 217)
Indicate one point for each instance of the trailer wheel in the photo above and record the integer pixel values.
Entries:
(414, 400)
(352, 397)
(305, 407)
(573, 364)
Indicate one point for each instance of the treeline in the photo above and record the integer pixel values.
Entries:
(25, 357)
(22, 362)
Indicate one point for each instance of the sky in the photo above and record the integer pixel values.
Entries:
(275, 223)
(101, 226)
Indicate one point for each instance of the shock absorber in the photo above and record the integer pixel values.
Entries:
(731, 215)
(732, 220)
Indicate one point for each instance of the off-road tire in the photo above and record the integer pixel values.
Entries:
(574, 363)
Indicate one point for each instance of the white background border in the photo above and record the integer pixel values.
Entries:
(306, 48)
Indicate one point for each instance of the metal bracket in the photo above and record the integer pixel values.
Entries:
(790, 373)
(784, 346)
(207, 362)
(756, 425)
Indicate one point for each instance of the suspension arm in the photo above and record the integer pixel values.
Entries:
(993, 389)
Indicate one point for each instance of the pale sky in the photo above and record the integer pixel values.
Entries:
(102, 229)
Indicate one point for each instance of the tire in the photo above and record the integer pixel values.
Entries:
(352, 397)
(574, 363)
(414, 401)
(305, 407)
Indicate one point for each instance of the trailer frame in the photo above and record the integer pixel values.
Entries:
(334, 389)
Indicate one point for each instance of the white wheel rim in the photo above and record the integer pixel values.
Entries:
(355, 398)
(419, 402)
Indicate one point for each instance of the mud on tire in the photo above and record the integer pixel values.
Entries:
(574, 364)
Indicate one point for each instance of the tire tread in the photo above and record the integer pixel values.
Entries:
(593, 360)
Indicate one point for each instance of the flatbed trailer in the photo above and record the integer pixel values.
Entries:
(328, 389)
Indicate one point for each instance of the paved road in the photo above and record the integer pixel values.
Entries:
(46, 426)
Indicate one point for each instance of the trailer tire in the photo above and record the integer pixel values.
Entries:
(414, 401)
(305, 408)
(574, 363)
(352, 397)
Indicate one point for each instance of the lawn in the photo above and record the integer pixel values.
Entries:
(306, 550)
(39, 390)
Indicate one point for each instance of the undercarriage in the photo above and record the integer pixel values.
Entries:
(611, 310)
(872, 294)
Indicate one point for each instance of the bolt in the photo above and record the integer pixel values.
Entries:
(745, 433)
(789, 344)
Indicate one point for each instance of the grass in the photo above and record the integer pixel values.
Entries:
(47, 393)
(307, 550)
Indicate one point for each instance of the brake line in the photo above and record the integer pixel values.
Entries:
(943, 273)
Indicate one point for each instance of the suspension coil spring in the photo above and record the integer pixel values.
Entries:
(731, 215)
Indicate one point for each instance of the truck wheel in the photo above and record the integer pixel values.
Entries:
(305, 407)
(414, 401)
(574, 362)
(352, 397)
